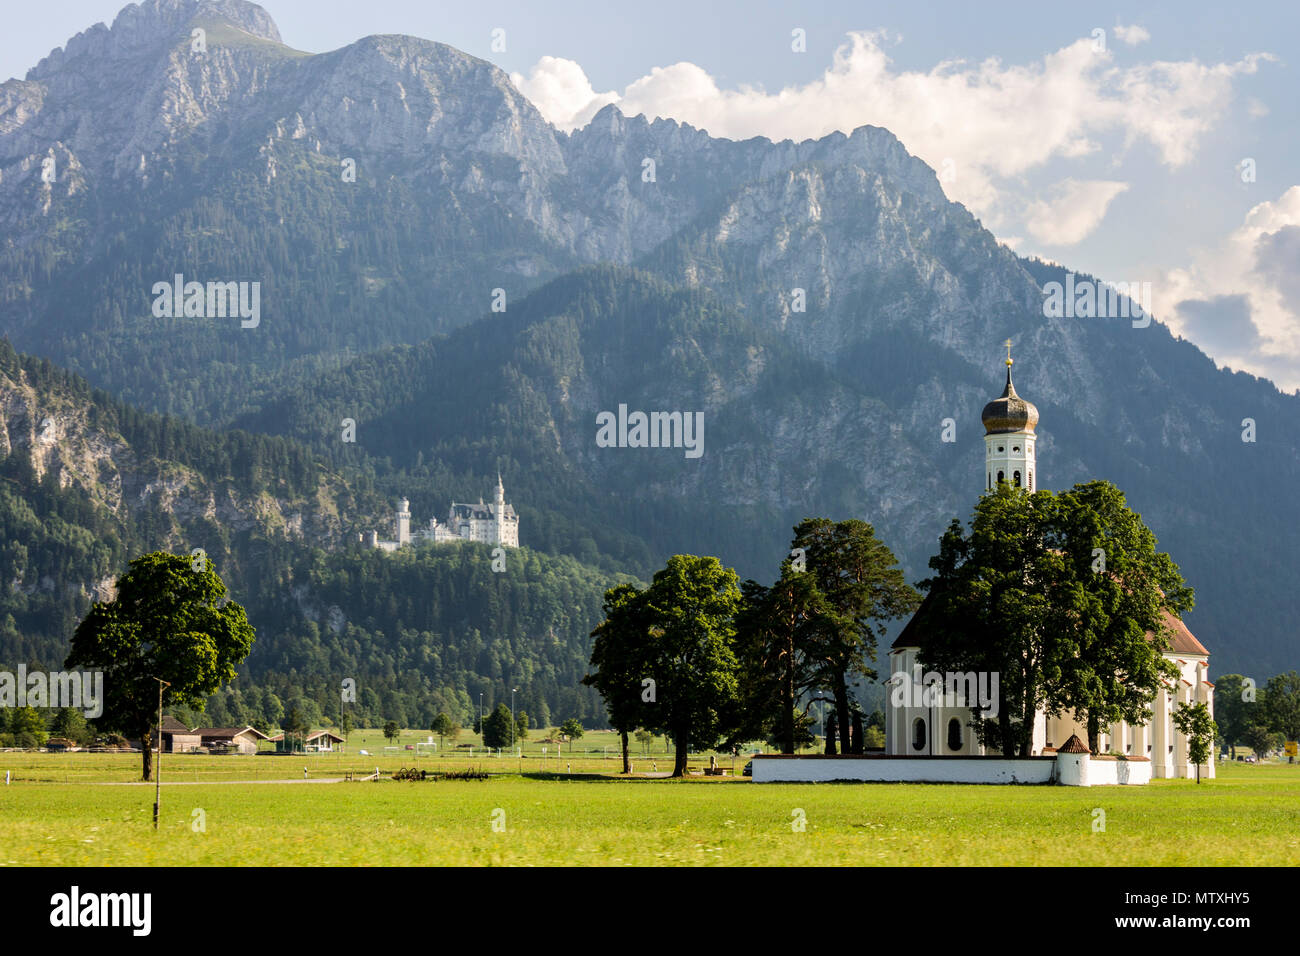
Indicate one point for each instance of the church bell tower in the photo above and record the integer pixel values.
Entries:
(1009, 437)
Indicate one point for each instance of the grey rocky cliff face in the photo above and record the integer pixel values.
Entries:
(854, 220)
(56, 433)
(121, 101)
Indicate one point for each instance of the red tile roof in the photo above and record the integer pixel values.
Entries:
(1181, 640)
(1074, 746)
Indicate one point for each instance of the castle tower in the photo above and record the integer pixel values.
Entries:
(1009, 438)
(499, 512)
(403, 523)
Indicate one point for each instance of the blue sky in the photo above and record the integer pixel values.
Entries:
(1122, 160)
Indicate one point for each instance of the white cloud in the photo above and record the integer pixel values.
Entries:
(1075, 211)
(1239, 299)
(1132, 35)
(993, 121)
(560, 90)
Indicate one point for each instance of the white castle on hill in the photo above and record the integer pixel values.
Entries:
(494, 523)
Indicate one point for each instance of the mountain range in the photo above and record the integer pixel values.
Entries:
(472, 287)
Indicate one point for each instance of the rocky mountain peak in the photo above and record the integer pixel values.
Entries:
(147, 27)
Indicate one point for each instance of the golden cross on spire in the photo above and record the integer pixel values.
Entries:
(1007, 343)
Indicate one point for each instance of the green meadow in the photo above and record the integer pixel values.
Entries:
(596, 752)
(1249, 816)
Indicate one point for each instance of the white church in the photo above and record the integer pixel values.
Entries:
(919, 730)
(495, 523)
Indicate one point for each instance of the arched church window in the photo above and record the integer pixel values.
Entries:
(1002, 476)
(1031, 481)
(954, 734)
(918, 734)
(1017, 474)
(990, 481)
(1016, 448)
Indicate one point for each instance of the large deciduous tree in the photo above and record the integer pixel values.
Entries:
(171, 620)
(988, 609)
(1110, 606)
(1234, 709)
(1057, 596)
(1282, 705)
(691, 606)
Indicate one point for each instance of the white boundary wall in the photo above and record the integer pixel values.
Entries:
(1077, 770)
(1110, 771)
(775, 769)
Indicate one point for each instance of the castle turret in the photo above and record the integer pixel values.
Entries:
(499, 512)
(403, 523)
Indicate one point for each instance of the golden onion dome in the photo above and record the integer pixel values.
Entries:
(1009, 412)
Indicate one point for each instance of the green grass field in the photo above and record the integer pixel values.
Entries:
(1249, 816)
(596, 752)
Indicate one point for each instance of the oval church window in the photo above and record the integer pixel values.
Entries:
(954, 734)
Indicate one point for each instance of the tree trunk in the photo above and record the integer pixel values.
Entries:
(627, 766)
(830, 738)
(787, 702)
(842, 710)
(1028, 714)
(1094, 735)
(1027, 729)
(679, 761)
